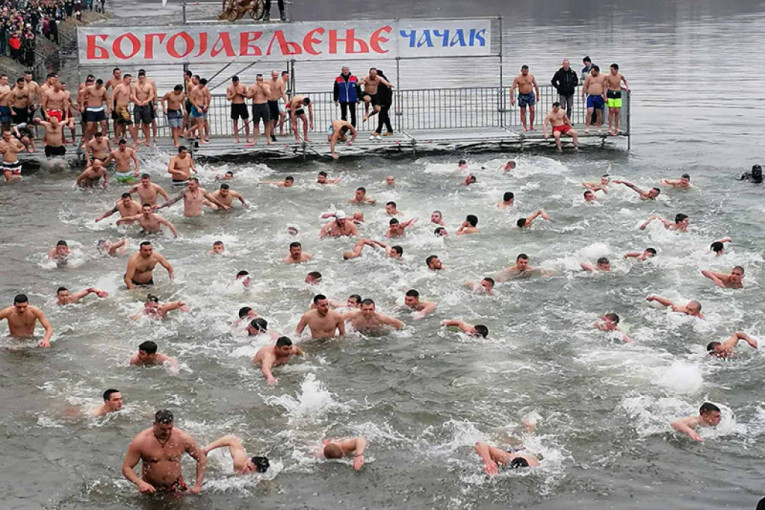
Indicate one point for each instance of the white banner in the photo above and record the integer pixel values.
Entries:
(305, 41)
